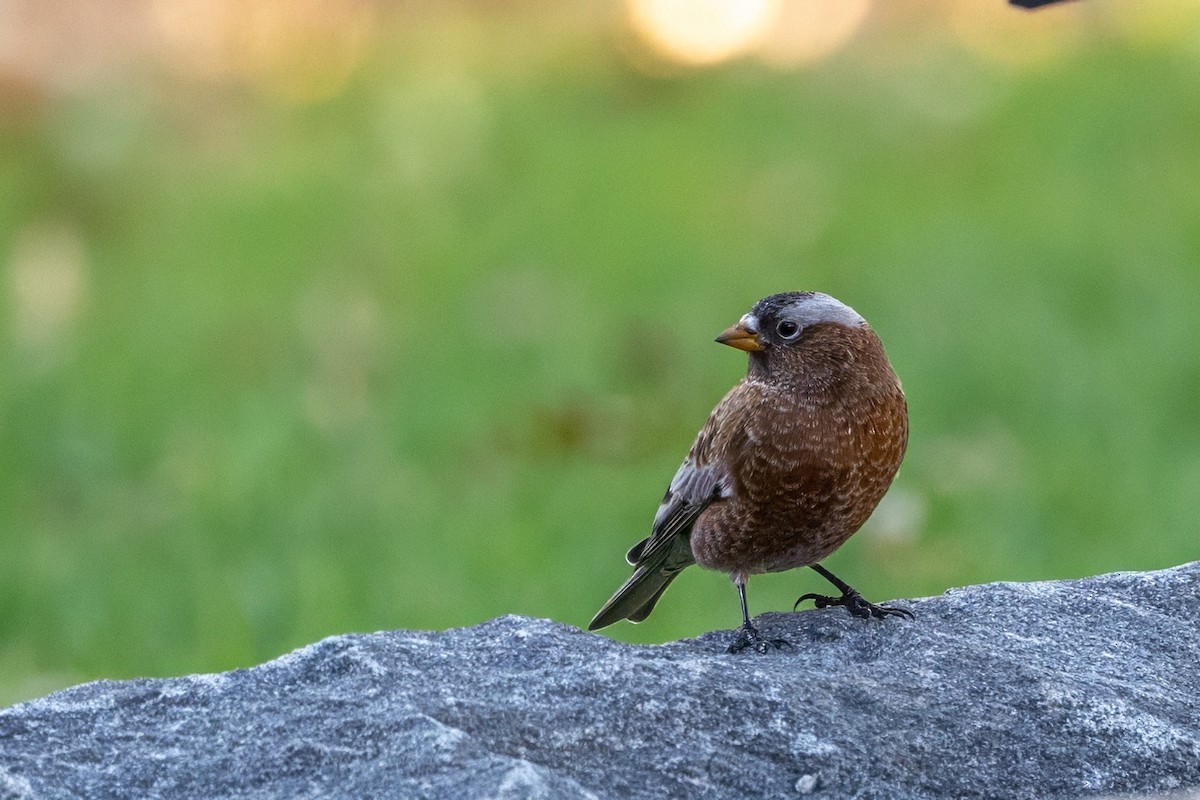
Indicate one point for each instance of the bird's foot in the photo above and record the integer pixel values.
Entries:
(748, 636)
(857, 605)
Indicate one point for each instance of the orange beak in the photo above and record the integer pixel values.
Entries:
(741, 337)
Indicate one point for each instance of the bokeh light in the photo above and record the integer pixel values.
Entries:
(806, 31)
(699, 32)
(303, 51)
(48, 284)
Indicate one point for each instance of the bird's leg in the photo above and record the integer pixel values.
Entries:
(854, 602)
(748, 635)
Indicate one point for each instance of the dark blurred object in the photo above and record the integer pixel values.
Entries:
(1033, 3)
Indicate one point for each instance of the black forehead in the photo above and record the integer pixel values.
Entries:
(770, 307)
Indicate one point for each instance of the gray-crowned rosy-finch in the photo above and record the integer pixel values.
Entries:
(788, 466)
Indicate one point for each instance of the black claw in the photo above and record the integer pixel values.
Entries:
(896, 611)
(819, 600)
(748, 636)
(857, 605)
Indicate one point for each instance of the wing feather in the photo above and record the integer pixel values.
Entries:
(702, 479)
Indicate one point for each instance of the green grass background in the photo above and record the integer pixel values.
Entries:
(426, 352)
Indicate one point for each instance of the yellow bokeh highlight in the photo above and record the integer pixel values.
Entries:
(807, 31)
(701, 32)
(47, 282)
(304, 51)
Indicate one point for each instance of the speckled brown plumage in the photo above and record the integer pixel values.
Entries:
(811, 452)
(789, 465)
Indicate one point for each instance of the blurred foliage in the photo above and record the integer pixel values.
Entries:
(426, 350)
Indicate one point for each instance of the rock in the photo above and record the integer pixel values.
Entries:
(1049, 690)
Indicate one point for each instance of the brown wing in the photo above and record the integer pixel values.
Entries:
(703, 478)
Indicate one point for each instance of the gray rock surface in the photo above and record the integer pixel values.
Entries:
(1060, 689)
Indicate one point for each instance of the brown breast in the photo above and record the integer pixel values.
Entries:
(811, 453)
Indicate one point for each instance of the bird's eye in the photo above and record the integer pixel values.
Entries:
(787, 329)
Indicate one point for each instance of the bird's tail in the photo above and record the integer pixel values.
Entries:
(636, 598)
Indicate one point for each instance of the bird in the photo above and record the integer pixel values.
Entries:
(789, 465)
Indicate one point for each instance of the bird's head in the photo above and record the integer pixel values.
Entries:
(780, 327)
(781, 320)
